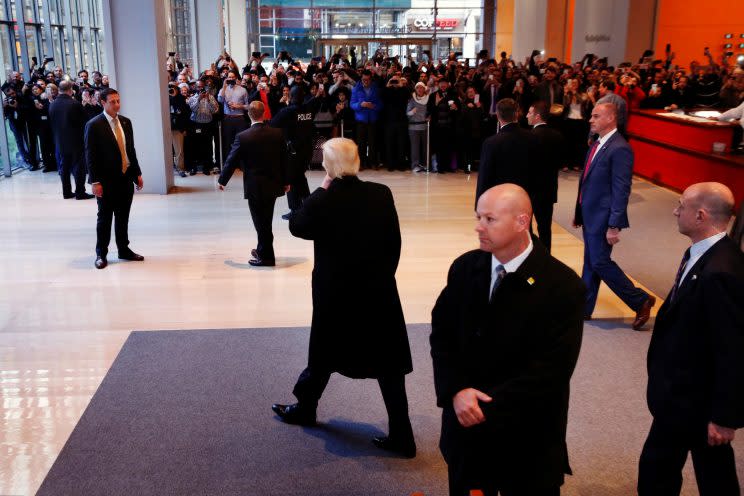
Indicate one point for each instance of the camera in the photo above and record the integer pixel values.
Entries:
(230, 82)
(172, 91)
(171, 54)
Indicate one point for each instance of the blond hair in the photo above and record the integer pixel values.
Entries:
(340, 157)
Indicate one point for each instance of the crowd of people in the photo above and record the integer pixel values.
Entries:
(431, 116)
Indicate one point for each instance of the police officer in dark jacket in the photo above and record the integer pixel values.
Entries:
(296, 121)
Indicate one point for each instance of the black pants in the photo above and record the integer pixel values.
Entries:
(665, 452)
(47, 146)
(200, 146)
(261, 204)
(575, 132)
(115, 203)
(366, 138)
(19, 129)
(396, 145)
(543, 212)
(443, 145)
(71, 164)
(231, 126)
(492, 488)
(312, 382)
(298, 164)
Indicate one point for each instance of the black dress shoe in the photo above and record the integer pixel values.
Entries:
(84, 196)
(67, 196)
(295, 414)
(131, 256)
(49, 169)
(101, 262)
(259, 262)
(405, 449)
(254, 253)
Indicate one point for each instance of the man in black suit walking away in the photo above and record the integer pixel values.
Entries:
(67, 119)
(543, 188)
(262, 152)
(501, 368)
(506, 157)
(696, 357)
(113, 170)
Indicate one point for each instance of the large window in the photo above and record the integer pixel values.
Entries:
(180, 30)
(405, 28)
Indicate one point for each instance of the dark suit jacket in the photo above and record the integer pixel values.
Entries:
(358, 328)
(605, 189)
(549, 154)
(542, 92)
(696, 356)
(102, 152)
(520, 357)
(506, 157)
(262, 153)
(67, 118)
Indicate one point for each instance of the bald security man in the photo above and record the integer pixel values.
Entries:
(696, 357)
(501, 367)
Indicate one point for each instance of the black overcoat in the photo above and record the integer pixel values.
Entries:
(358, 329)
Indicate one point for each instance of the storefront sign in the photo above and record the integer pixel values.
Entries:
(428, 23)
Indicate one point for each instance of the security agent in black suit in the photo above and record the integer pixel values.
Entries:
(506, 157)
(113, 170)
(358, 329)
(696, 356)
(67, 119)
(543, 187)
(262, 152)
(501, 368)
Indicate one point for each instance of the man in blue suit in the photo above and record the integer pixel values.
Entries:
(366, 103)
(601, 209)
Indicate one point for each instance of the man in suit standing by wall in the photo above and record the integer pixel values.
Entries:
(501, 369)
(67, 119)
(602, 211)
(696, 357)
(506, 157)
(113, 170)
(543, 187)
(262, 152)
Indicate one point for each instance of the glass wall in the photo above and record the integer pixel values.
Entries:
(405, 28)
(179, 26)
(69, 32)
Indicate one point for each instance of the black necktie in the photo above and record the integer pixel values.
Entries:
(677, 280)
(500, 273)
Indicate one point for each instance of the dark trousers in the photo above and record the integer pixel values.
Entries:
(598, 267)
(312, 382)
(442, 143)
(71, 164)
(200, 146)
(261, 204)
(366, 138)
(115, 203)
(396, 145)
(47, 146)
(298, 164)
(19, 129)
(231, 126)
(575, 132)
(543, 212)
(665, 452)
(457, 487)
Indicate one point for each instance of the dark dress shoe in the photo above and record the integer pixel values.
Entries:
(67, 196)
(101, 262)
(254, 253)
(295, 414)
(287, 216)
(405, 449)
(131, 256)
(84, 196)
(644, 313)
(259, 262)
(49, 169)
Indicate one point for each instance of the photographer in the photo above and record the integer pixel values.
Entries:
(39, 126)
(234, 100)
(15, 113)
(90, 103)
(395, 98)
(203, 107)
(180, 121)
(254, 64)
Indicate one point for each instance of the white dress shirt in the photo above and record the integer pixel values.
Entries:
(697, 250)
(510, 266)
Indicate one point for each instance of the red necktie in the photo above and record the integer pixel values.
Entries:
(589, 163)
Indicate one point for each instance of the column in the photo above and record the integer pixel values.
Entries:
(208, 33)
(141, 81)
(529, 27)
(236, 26)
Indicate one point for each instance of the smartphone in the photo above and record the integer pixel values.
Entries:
(476, 98)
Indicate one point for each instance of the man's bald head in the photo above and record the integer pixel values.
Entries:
(603, 119)
(65, 87)
(504, 214)
(704, 209)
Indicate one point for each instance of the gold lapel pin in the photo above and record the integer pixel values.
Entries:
(531, 281)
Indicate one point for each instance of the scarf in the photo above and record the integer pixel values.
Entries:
(420, 100)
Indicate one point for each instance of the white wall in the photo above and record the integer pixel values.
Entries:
(136, 52)
(529, 28)
(600, 27)
(208, 40)
(237, 31)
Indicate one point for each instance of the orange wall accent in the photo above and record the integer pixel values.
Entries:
(640, 29)
(569, 30)
(690, 26)
(555, 29)
(504, 27)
